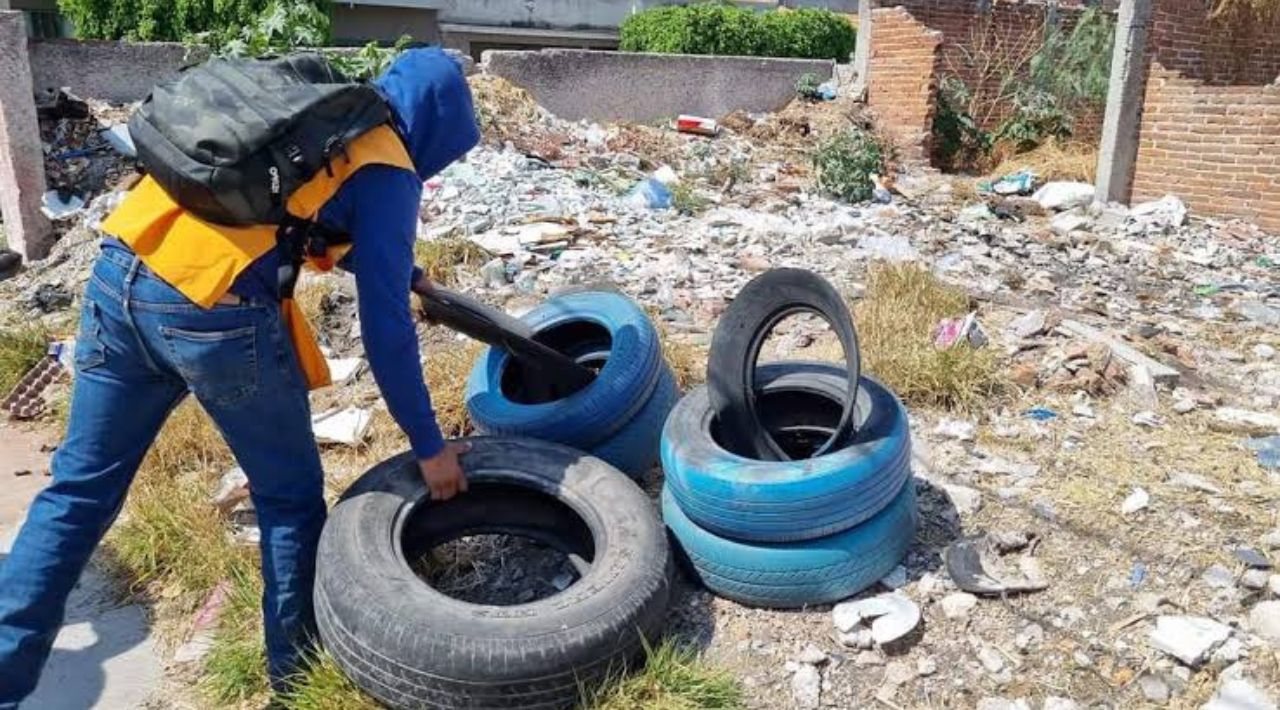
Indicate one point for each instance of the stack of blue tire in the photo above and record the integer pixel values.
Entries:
(618, 417)
(791, 533)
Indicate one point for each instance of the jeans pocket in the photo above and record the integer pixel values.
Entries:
(218, 366)
(90, 352)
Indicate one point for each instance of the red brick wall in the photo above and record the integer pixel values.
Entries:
(981, 49)
(903, 78)
(1211, 117)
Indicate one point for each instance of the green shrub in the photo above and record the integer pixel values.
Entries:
(715, 28)
(844, 164)
(959, 143)
(807, 86)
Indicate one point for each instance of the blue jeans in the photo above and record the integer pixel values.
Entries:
(142, 347)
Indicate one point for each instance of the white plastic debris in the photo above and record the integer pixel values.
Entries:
(343, 369)
(120, 141)
(891, 616)
(1137, 500)
(1189, 639)
(347, 426)
(1064, 195)
(1168, 211)
(55, 207)
(1148, 419)
(957, 429)
(232, 490)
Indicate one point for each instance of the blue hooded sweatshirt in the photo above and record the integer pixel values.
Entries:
(378, 207)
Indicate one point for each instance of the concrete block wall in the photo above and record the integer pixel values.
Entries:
(642, 88)
(119, 72)
(1211, 116)
(21, 157)
(904, 66)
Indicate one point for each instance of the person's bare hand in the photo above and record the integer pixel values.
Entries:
(443, 473)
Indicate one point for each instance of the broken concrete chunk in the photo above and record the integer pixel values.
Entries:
(957, 429)
(1068, 222)
(1254, 579)
(1264, 620)
(1154, 688)
(967, 501)
(1029, 325)
(1189, 639)
(1218, 577)
(1194, 482)
(1230, 420)
(1064, 195)
(1138, 500)
(1240, 694)
(1056, 703)
(806, 687)
(958, 605)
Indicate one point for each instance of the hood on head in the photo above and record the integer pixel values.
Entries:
(432, 105)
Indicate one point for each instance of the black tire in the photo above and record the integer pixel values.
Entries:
(735, 347)
(411, 646)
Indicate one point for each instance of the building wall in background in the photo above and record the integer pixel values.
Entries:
(1211, 115)
(905, 56)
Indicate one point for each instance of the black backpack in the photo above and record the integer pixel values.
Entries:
(231, 139)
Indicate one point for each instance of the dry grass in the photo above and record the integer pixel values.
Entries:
(688, 362)
(20, 349)
(447, 369)
(323, 686)
(502, 108)
(895, 324)
(1050, 161)
(439, 258)
(311, 293)
(674, 678)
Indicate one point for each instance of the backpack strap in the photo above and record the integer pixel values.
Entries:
(298, 240)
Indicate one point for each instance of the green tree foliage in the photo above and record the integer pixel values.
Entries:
(717, 28)
(215, 22)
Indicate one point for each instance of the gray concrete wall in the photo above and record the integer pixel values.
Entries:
(119, 72)
(21, 158)
(362, 23)
(602, 86)
(566, 14)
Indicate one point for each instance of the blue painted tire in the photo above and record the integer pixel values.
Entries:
(614, 417)
(780, 501)
(795, 574)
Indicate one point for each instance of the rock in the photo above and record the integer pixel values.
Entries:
(1031, 636)
(897, 579)
(868, 658)
(1137, 500)
(1262, 351)
(1153, 688)
(1273, 584)
(1190, 639)
(1229, 420)
(1184, 406)
(1006, 541)
(1029, 324)
(812, 655)
(1254, 579)
(1148, 419)
(806, 688)
(1271, 540)
(1194, 482)
(958, 605)
(991, 659)
(1229, 652)
(1081, 659)
(1264, 620)
(1240, 694)
(967, 501)
(926, 666)
(891, 616)
(1166, 212)
(1218, 577)
(1252, 558)
(957, 429)
(1259, 313)
(1003, 704)
(1068, 222)
(1055, 703)
(898, 673)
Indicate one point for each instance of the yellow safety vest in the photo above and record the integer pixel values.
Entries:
(202, 259)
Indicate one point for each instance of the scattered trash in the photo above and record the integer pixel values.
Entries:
(26, 399)
(827, 91)
(1252, 558)
(1019, 183)
(891, 616)
(50, 297)
(976, 566)
(1229, 420)
(1138, 500)
(881, 193)
(1160, 373)
(56, 205)
(233, 489)
(697, 125)
(22, 472)
(1137, 575)
(1189, 639)
(1168, 211)
(203, 627)
(956, 429)
(1040, 414)
(953, 331)
(119, 139)
(1148, 419)
(896, 579)
(1064, 195)
(344, 369)
(347, 426)
(1267, 451)
(894, 249)
(653, 193)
